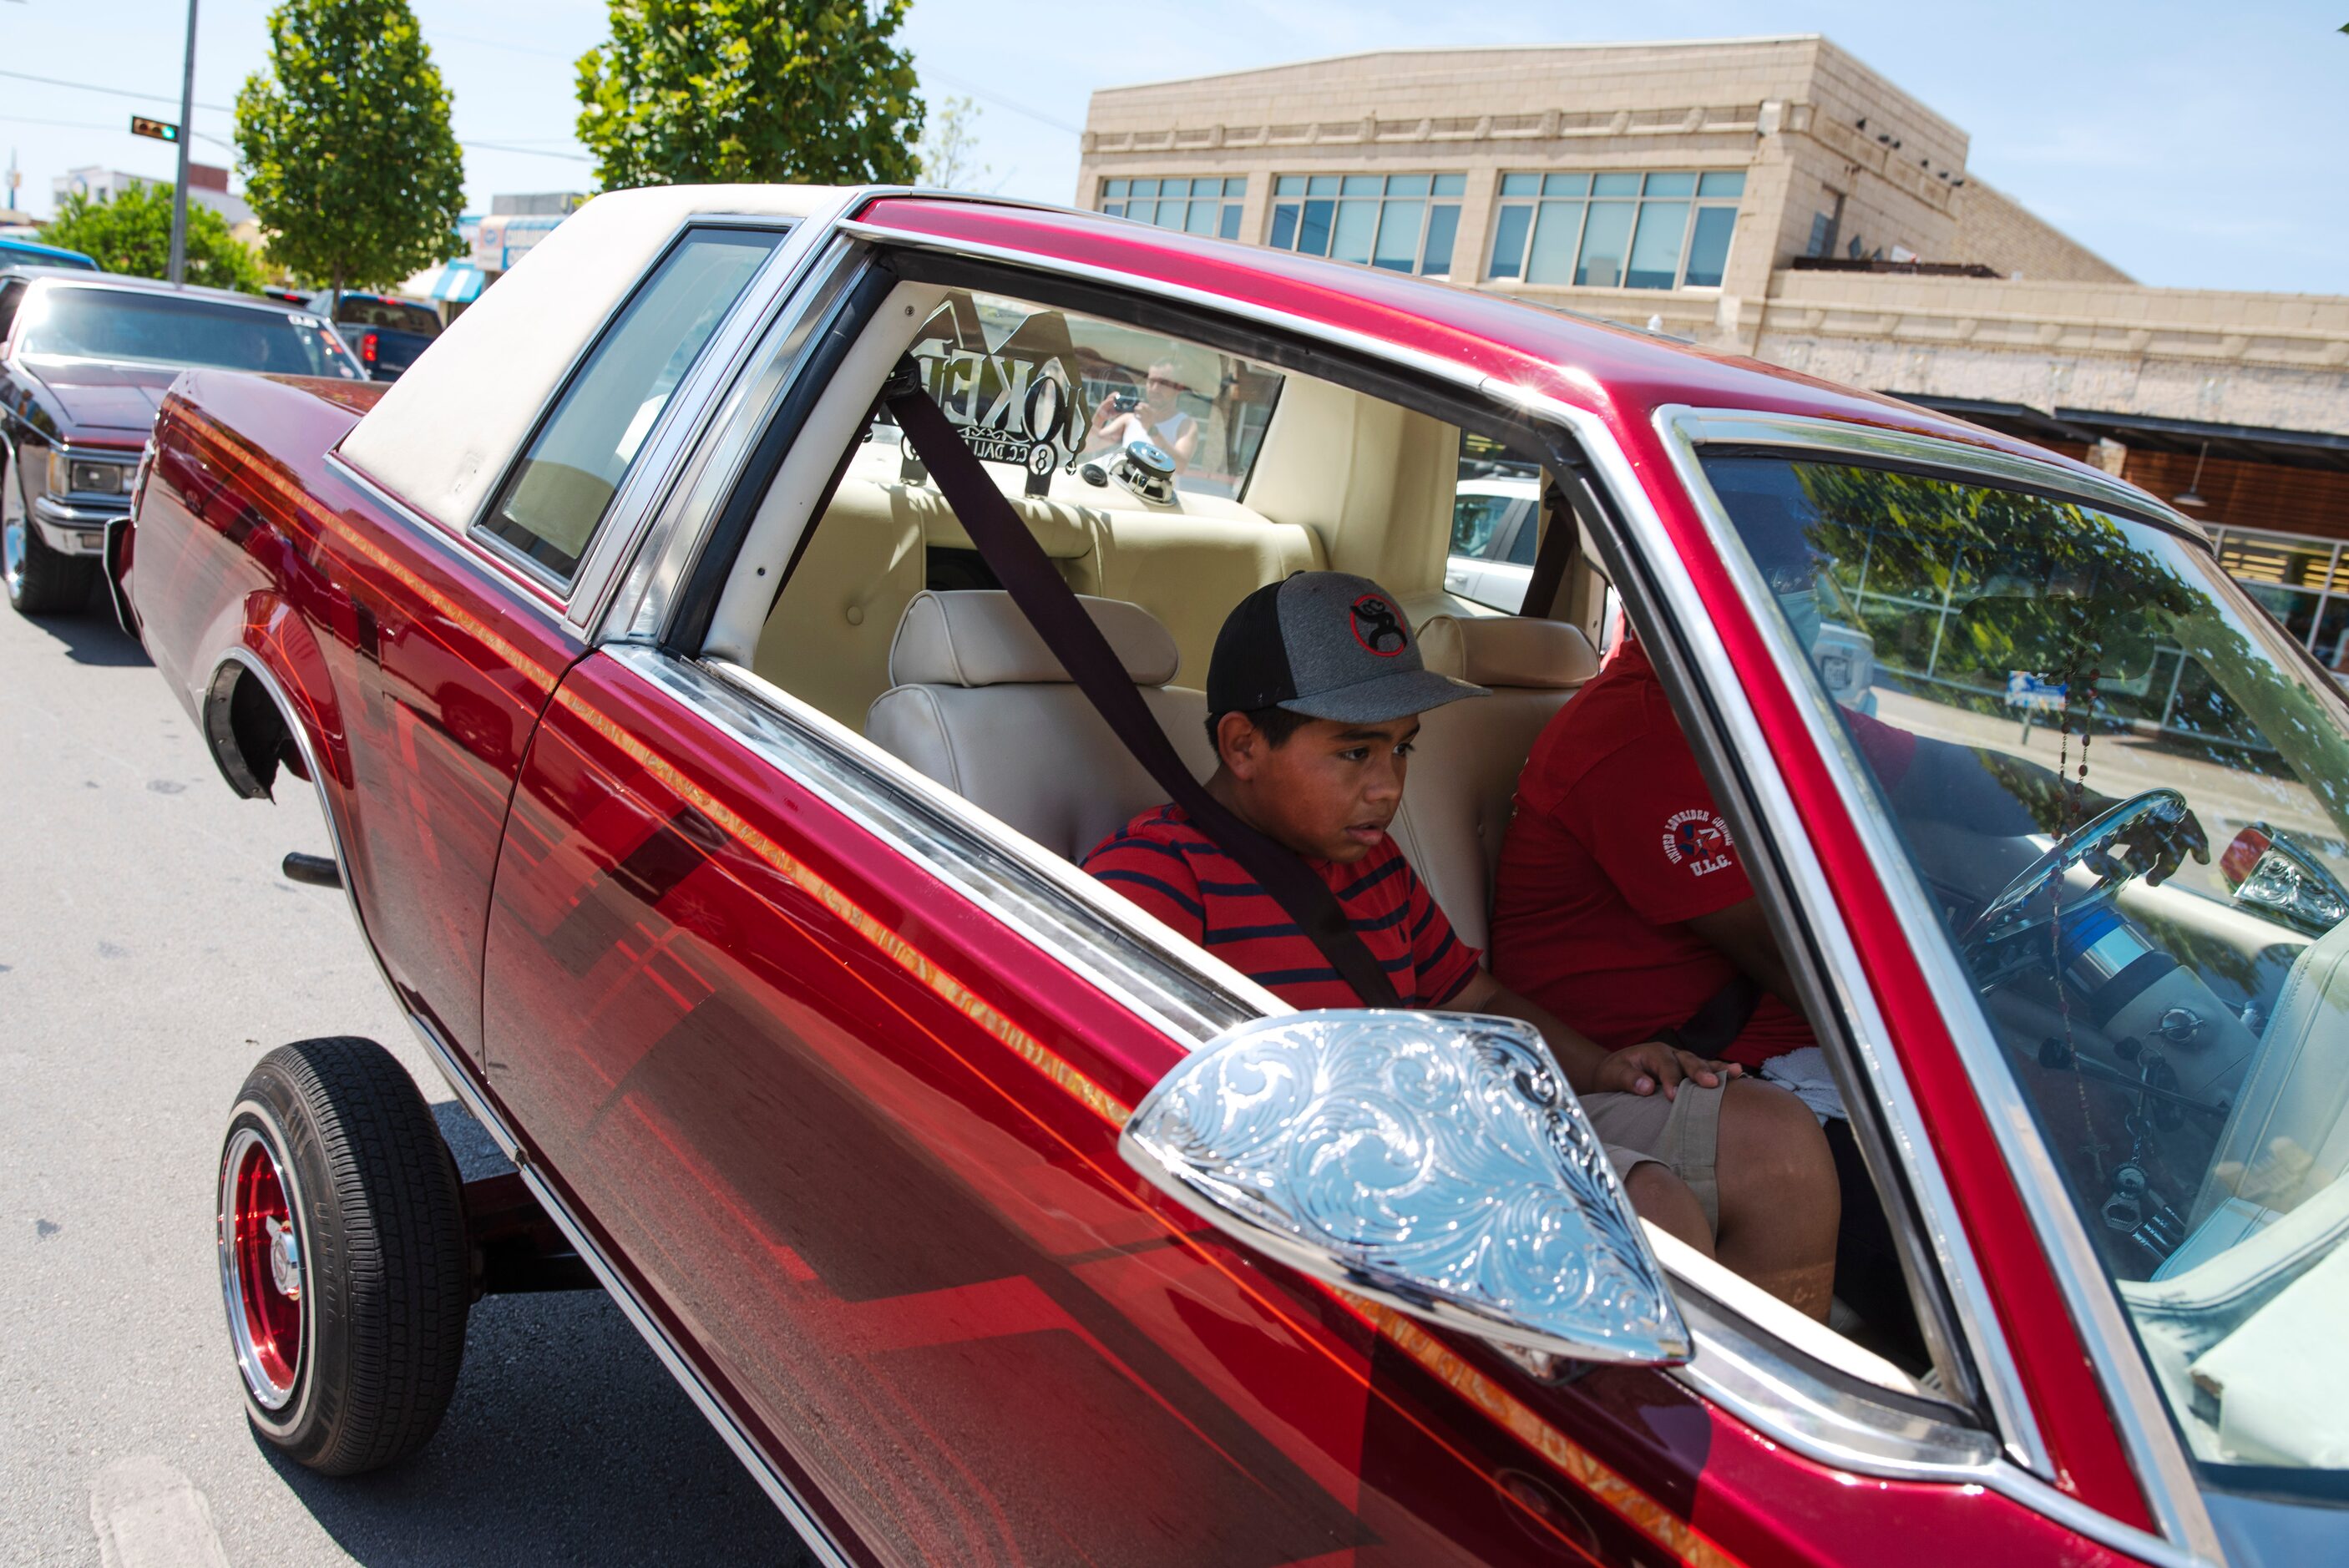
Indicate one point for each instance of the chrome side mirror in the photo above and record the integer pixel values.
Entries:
(1436, 1163)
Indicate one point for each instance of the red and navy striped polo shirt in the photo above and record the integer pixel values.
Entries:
(1171, 869)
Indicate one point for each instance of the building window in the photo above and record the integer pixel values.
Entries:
(1616, 230)
(1405, 222)
(1194, 206)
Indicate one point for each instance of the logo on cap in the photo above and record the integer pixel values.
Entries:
(1378, 626)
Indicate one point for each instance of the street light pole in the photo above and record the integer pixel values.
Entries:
(180, 187)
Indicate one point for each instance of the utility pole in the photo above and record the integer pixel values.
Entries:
(180, 187)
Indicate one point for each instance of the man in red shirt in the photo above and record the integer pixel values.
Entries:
(1314, 693)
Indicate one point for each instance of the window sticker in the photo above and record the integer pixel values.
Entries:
(1008, 381)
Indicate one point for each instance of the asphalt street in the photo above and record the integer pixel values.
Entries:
(149, 954)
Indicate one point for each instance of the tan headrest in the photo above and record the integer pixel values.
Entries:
(977, 637)
(1509, 651)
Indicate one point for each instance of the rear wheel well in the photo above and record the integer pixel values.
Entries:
(249, 736)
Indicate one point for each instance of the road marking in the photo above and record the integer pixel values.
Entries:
(148, 1515)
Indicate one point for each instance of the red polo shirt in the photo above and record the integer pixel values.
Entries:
(1177, 872)
(1614, 846)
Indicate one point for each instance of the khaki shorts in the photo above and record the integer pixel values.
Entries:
(1682, 1134)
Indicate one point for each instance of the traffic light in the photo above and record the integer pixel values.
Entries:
(161, 131)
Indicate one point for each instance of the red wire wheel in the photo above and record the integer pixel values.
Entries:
(343, 1257)
(262, 1264)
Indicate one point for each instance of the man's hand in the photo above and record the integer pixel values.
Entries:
(1646, 1067)
(2157, 847)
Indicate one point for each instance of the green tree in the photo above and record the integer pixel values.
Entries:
(750, 90)
(132, 234)
(949, 154)
(349, 160)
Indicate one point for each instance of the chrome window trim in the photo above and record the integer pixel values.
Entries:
(682, 428)
(2171, 1489)
(639, 607)
(474, 535)
(1746, 1374)
(1732, 426)
(1091, 930)
(447, 1058)
(462, 553)
(2010, 1408)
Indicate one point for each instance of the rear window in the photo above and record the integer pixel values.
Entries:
(82, 323)
(1034, 387)
(395, 315)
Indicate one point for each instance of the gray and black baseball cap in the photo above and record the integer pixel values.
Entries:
(1326, 645)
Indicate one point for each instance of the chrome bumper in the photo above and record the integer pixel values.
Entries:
(74, 529)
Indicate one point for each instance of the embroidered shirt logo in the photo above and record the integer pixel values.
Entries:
(1698, 840)
(1378, 626)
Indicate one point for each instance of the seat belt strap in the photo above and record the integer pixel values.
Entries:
(1715, 1025)
(1051, 605)
(1559, 537)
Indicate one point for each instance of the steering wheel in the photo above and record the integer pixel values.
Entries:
(2156, 813)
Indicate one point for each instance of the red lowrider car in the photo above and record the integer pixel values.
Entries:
(713, 810)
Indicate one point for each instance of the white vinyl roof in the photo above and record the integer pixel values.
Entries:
(447, 431)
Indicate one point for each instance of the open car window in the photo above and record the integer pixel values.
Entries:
(835, 596)
(2130, 796)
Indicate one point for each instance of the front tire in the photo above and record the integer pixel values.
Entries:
(343, 1257)
(40, 580)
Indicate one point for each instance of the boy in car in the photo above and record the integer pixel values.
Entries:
(1623, 898)
(1314, 693)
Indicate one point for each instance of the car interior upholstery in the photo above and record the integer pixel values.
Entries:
(982, 705)
(1464, 768)
(1343, 480)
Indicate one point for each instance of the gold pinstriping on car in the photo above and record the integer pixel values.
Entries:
(1577, 1464)
(264, 470)
(1571, 1459)
(904, 954)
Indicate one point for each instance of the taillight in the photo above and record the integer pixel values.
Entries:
(366, 348)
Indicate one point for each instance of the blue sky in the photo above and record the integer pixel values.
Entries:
(2193, 145)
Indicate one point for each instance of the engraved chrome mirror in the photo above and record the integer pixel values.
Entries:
(1436, 1162)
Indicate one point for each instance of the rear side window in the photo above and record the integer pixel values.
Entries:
(550, 505)
(390, 314)
(12, 294)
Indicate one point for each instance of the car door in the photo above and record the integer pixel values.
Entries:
(848, 1135)
(828, 1070)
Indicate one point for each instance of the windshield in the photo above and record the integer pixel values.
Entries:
(119, 325)
(2059, 707)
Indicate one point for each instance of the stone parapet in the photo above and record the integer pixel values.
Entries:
(2279, 361)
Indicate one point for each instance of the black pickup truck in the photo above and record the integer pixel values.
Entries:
(385, 330)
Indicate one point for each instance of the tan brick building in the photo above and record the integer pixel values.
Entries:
(1776, 197)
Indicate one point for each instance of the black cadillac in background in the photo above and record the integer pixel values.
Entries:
(85, 360)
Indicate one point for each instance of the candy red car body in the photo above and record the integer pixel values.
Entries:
(824, 1073)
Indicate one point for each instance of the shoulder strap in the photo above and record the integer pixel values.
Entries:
(1559, 537)
(1051, 605)
(1711, 1029)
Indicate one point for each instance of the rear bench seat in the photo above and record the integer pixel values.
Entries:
(827, 640)
(1464, 770)
(982, 705)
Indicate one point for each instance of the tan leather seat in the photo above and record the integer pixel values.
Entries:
(1464, 768)
(826, 641)
(982, 705)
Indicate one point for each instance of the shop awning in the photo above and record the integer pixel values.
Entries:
(458, 283)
